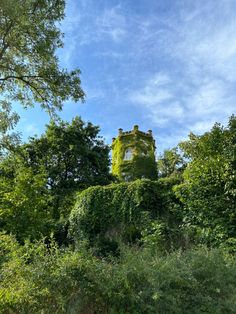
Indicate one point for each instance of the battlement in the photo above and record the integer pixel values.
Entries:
(135, 131)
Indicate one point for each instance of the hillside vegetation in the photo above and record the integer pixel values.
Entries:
(75, 240)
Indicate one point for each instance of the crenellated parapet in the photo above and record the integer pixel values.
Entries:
(135, 131)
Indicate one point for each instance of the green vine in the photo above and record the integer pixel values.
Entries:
(115, 211)
(142, 164)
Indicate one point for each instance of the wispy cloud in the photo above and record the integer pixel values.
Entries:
(112, 24)
(158, 96)
(196, 109)
(32, 129)
(199, 87)
(107, 24)
(169, 64)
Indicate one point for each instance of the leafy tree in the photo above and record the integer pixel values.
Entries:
(74, 158)
(29, 67)
(38, 180)
(171, 163)
(29, 37)
(8, 119)
(208, 190)
(24, 201)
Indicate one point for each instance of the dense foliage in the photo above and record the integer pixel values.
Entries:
(38, 179)
(29, 37)
(44, 279)
(208, 191)
(118, 211)
(134, 247)
(171, 164)
(165, 246)
(24, 209)
(104, 216)
(74, 157)
(29, 68)
(142, 164)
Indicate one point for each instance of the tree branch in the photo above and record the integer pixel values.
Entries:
(20, 77)
(5, 45)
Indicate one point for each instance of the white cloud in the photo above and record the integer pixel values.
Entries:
(178, 67)
(160, 79)
(159, 99)
(32, 129)
(95, 93)
(200, 42)
(109, 54)
(112, 24)
(197, 110)
(211, 102)
(109, 24)
(154, 91)
(206, 42)
(202, 126)
(170, 139)
(150, 97)
(85, 26)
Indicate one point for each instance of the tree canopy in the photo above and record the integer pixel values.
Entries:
(29, 67)
(208, 190)
(142, 247)
(38, 179)
(170, 163)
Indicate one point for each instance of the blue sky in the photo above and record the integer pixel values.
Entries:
(166, 65)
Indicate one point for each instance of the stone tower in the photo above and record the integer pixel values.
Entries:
(133, 155)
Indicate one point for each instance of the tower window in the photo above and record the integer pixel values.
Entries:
(128, 154)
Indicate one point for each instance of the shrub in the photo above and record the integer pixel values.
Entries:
(39, 278)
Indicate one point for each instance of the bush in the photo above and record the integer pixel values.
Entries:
(197, 281)
(39, 278)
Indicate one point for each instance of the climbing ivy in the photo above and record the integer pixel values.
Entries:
(142, 164)
(117, 211)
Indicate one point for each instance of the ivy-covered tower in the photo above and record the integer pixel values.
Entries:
(133, 155)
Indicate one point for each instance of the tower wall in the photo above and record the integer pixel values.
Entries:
(133, 155)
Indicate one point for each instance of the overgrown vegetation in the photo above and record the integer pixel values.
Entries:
(115, 212)
(122, 213)
(142, 164)
(165, 246)
(197, 281)
(38, 180)
(162, 246)
(208, 191)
